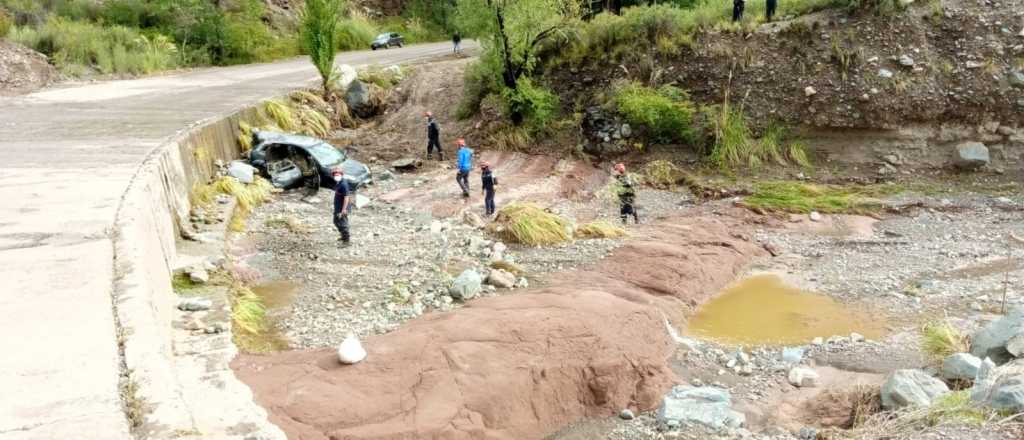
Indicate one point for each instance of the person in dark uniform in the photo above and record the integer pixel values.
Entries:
(769, 9)
(737, 9)
(433, 136)
(457, 41)
(487, 182)
(342, 201)
(627, 194)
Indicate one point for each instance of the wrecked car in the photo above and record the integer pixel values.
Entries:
(291, 161)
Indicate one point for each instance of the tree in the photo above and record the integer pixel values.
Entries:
(319, 28)
(511, 33)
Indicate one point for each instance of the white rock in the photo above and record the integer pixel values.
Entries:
(856, 337)
(885, 73)
(818, 341)
(199, 275)
(815, 216)
(346, 76)
(906, 61)
(803, 377)
(241, 171)
(809, 91)
(351, 350)
(501, 279)
(194, 304)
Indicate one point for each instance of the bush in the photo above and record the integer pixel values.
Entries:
(537, 104)
(803, 198)
(666, 112)
(6, 23)
(600, 229)
(940, 339)
(478, 82)
(734, 145)
(108, 50)
(355, 32)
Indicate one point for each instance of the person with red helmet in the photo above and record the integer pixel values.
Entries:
(465, 165)
(433, 136)
(627, 194)
(488, 182)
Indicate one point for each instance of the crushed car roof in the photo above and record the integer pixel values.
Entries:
(285, 138)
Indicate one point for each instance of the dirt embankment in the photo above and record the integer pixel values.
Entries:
(22, 70)
(589, 344)
(951, 64)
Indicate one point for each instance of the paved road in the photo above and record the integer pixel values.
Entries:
(66, 157)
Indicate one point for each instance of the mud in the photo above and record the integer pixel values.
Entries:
(763, 310)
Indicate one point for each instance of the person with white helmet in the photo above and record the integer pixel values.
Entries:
(627, 194)
(342, 204)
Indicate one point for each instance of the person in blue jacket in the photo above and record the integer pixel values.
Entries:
(465, 164)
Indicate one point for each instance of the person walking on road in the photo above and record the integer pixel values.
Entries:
(769, 9)
(342, 202)
(737, 9)
(487, 182)
(465, 164)
(457, 42)
(627, 194)
(433, 136)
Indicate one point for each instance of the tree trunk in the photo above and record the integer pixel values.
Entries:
(510, 74)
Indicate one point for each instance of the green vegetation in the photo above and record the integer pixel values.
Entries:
(940, 339)
(252, 330)
(181, 282)
(800, 197)
(600, 229)
(666, 112)
(529, 224)
(734, 144)
(318, 32)
(662, 174)
(512, 34)
(383, 78)
(958, 408)
(131, 37)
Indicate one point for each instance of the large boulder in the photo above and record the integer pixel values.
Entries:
(1001, 388)
(346, 76)
(960, 366)
(708, 406)
(242, 171)
(501, 279)
(971, 156)
(911, 388)
(990, 341)
(364, 100)
(508, 367)
(466, 286)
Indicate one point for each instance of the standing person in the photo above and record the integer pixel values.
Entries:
(465, 165)
(769, 9)
(737, 9)
(627, 194)
(487, 182)
(433, 136)
(457, 41)
(342, 201)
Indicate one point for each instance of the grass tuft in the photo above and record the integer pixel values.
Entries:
(666, 112)
(511, 139)
(181, 282)
(803, 198)
(958, 408)
(529, 224)
(940, 339)
(600, 229)
(247, 311)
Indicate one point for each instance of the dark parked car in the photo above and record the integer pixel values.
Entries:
(291, 161)
(387, 40)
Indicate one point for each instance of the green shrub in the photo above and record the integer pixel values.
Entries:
(666, 112)
(6, 23)
(803, 198)
(537, 104)
(478, 83)
(734, 144)
(940, 339)
(108, 50)
(355, 32)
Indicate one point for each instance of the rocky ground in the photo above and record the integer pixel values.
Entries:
(22, 70)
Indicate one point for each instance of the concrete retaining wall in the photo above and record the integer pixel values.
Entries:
(154, 209)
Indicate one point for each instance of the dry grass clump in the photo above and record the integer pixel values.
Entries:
(803, 198)
(662, 174)
(529, 224)
(248, 196)
(952, 409)
(252, 330)
(600, 229)
(940, 339)
(508, 267)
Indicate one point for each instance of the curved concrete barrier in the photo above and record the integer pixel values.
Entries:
(95, 181)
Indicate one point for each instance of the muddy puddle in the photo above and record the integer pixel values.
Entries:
(763, 310)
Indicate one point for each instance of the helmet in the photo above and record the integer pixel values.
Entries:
(460, 142)
(485, 164)
(620, 167)
(337, 171)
